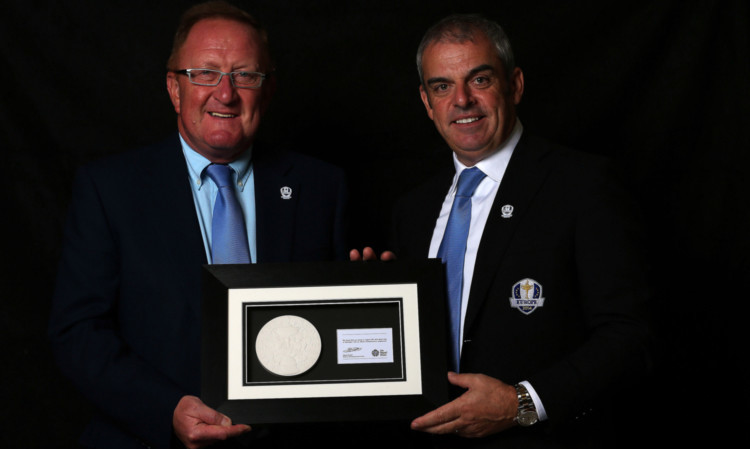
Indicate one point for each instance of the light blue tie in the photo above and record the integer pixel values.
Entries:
(453, 249)
(228, 234)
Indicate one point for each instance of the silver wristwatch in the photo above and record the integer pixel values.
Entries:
(526, 409)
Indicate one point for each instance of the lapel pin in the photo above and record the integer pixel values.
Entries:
(286, 193)
(507, 211)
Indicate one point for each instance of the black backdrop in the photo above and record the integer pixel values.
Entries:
(661, 87)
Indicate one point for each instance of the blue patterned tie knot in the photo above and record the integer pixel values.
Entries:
(453, 249)
(228, 234)
(468, 181)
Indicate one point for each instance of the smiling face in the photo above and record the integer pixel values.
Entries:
(220, 122)
(469, 97)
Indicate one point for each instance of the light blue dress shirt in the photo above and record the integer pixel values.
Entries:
(205, 191)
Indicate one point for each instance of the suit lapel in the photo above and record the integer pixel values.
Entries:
(274, 211)
(167, 174)
(523, 178)
(174, 208)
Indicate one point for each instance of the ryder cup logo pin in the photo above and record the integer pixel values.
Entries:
(507, 211)
(527, 296)
(286, 193)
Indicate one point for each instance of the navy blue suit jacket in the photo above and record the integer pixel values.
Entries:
(125, 324)
(574, 230)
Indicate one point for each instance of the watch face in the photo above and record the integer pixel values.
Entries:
(527, 418)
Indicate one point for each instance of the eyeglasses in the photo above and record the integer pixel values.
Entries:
(208, 77)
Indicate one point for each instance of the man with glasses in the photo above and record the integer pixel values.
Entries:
(125, 323)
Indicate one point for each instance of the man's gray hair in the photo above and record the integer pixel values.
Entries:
(464, 27)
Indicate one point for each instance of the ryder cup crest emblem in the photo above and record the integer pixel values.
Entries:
(527, 296)
(507, 211)
(286, 193)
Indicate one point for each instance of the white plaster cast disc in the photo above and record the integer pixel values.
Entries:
(288, 345)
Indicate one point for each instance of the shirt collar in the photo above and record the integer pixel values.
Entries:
(197, 164)
(495, 164)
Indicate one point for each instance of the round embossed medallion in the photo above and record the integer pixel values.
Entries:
(288, 345)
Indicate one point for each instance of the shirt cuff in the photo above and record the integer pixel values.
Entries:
(537, 402)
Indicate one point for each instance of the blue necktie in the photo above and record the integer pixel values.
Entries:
(228, 234)
(453, 249)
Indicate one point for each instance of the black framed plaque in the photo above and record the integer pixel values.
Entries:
(326, 341)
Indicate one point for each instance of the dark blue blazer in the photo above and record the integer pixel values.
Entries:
(575, 231)
(125, 323)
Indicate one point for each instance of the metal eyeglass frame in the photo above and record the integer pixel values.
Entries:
(187, 72)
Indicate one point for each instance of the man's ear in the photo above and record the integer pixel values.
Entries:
(426, 101)
(517, 84)
(173, 89)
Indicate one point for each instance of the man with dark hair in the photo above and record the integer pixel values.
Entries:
(125, 323)
(545, 280)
